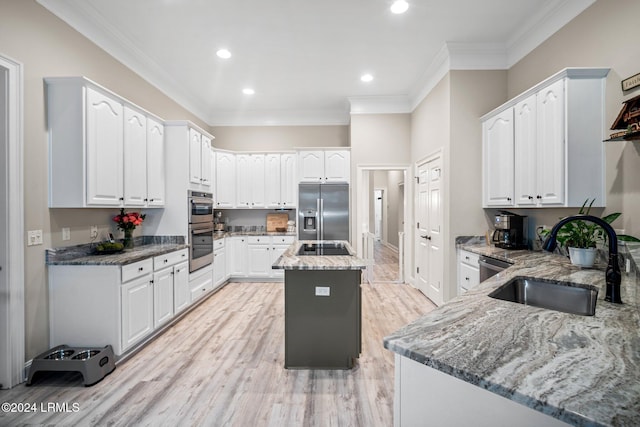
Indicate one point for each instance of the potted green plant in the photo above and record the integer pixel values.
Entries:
(581, 238)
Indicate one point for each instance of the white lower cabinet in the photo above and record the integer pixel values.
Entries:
(99, 305)
(259, 248)
(181, 291)
(137, 311)
(468, 270)
(263, 252)
(236, 247)
(201, 283)
(219, 262)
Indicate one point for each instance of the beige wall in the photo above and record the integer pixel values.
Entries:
(380, 139)
(48, 47)
(604, 35)
(449, 119)
(376, 140)
(273, 138)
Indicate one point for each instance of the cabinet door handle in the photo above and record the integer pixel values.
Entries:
(530, 197)
(140, 268)
(426, 237)
(467, 258)
(466, 278)
(508, 199)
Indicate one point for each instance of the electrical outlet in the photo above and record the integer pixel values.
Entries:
(94, 232)
(323, 291)
(66, 233)
(34, 237)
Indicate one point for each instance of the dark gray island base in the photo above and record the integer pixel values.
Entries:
(322, 302)
(321, 318)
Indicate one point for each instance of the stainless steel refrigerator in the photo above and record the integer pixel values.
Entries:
(323, 212)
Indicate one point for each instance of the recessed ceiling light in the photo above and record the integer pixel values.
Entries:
(399, 6)
(248, 91)
(366, 78)
(223, 53)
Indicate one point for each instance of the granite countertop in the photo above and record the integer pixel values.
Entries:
(221, 234)
(583, 370)
(144, 247)
(289, 260)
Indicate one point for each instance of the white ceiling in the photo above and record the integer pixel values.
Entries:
(304, 58)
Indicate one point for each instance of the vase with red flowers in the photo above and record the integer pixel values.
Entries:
(127, 222)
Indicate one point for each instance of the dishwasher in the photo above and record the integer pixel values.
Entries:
(491, 266)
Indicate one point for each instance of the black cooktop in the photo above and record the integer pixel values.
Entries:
(323, 249)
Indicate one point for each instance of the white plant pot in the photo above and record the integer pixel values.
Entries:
(583, 257)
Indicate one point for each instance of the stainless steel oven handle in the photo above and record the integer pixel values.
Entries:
(201, 230)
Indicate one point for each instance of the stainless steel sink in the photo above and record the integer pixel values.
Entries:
(560, 296)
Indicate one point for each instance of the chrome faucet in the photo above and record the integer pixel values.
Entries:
(612, 274)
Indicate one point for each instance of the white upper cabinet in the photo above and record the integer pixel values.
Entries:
(199, 160)
(280, 180)
(99, 147)
(556, 130)
(526, 152)
(104, 145)
(311, 164)
(135, 157)
(288, 182)
(551, 169)
(272, 179)
(337, 165)
(155, 163)
(225, 179)
(324, 166)
(250, 180)
(205, 161)
(497, 151)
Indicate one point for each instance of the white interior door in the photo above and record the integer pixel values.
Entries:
(422, 226)
(377, 212)
(429, 222)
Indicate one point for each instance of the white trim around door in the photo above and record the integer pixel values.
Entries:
(362, 211)
(12, 323)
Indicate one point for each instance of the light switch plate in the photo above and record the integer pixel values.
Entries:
(323, 291)
(94, 231)
(34, 237)
(66, 233)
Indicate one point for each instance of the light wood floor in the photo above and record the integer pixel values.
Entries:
(222, 365)
(386, 265)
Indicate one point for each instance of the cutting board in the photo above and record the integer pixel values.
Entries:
(275, 221)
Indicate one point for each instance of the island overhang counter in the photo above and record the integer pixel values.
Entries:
(322, 304)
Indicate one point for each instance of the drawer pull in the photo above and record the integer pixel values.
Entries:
(140, 268)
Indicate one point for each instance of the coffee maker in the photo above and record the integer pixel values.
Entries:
(510, 231)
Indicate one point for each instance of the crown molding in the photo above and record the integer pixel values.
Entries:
(380, 104)
(452, 56)
(334, 117)
(90, 23)
(550, 18)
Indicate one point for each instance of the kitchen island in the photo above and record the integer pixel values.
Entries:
(512, 364)
(322, 304)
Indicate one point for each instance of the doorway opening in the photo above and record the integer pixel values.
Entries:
(12, 338)
(381, 222)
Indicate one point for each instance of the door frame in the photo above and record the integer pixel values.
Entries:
(12, 310)
(362, 210)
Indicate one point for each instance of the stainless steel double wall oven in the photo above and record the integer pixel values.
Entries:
(200, 229)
